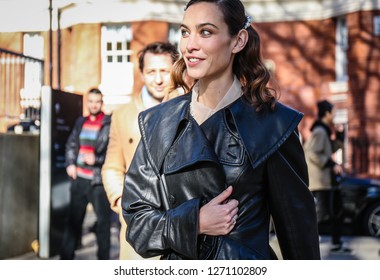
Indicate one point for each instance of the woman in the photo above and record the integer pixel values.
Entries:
(214, 165)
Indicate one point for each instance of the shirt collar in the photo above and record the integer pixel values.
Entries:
(97, 117)
(201, 112)
(147, 98)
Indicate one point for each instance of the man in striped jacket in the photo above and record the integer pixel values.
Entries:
(85, 154)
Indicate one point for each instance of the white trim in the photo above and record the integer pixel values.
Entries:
(36, 17)
(172, 11)
(295, 10)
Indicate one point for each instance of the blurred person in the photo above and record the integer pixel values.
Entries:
(215, 164)
(324, 171)
(85, 153)
(155, 63)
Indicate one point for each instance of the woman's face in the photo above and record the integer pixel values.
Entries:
(205, 44)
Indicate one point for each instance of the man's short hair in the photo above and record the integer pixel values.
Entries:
(157, 48)
(95, 90)
(323, 107)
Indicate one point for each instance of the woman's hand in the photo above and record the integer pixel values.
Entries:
(218, 217)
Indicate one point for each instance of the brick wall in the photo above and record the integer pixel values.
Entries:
(80, 57)
(81, 53)
(304, 57)
(303, 53)
(364, 103)
(12, 41)
(145, 32)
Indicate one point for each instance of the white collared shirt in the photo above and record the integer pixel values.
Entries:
(201, 112)
(147, 99)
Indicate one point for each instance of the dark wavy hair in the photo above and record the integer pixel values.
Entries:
(248, 65)
(158, 48)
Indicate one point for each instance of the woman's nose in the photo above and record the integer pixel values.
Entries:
(191, 43)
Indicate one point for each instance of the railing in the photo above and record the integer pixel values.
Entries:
(21, 78)
(365, 157)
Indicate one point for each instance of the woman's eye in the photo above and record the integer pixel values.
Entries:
(184, 33)
(206, 32)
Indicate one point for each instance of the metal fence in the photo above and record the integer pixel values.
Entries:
(365, 157)
(21, 78)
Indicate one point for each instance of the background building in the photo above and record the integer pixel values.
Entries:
(315, 48)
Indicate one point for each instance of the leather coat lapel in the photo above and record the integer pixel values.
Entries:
(225, 142)
(183, 142)
(190, 147)
(265, 131)
(158, 133)
(262, 133)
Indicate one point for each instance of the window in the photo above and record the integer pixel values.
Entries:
(117, 68)
(376, 25)
(341, 49)
(174, 34)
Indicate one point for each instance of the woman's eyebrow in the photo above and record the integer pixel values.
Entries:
(199, 26)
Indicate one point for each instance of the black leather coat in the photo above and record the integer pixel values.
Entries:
(179, 166)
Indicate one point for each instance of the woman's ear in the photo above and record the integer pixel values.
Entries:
(241, 40)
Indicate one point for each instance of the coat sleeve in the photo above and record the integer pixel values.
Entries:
(72, 144)
(291, 203)
(102, 144)
(113, 170)
(100, 158)
(153, 228)
(316, 148)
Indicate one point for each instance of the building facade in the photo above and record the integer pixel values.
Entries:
(315, 49)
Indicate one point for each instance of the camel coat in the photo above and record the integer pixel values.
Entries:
(318, 151)
(124, 138)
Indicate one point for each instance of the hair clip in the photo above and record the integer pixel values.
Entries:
(248, 20)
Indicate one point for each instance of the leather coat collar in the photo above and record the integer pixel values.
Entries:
(265, 131)
(163, 127)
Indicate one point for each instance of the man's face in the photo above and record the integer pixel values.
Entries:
(156, 74)
(94, 103)
(330, 116)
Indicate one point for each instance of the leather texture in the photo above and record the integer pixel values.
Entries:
(179, 166)
(124, 138)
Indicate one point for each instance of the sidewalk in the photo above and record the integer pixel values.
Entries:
(89, 247)
(363, 247)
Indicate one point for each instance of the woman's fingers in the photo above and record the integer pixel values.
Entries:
(218, 217)
(222, 197)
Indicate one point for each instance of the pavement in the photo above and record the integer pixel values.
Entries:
(363, 247)
(88, 248)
